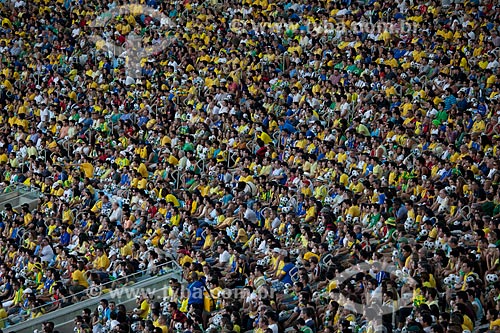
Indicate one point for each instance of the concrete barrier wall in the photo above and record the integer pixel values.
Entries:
(20, 194)
(129, 304)
(63, 318)
(17, 200)
(7, 196)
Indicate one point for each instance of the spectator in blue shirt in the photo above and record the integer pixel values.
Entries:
(195, 289)
(286, 126)
(449, 100)
(65, 236)
(287, 272)
(104, 315)
(401, 212)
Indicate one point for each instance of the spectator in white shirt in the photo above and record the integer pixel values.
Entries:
(116, 213)
(223, 260)
(47, 253)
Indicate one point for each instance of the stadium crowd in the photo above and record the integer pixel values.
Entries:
(266, 147)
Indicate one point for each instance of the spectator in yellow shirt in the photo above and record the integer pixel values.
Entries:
(246, 176)
(311, 211)
(479, 124)
(87, 167)
(184, 257)
(125, 249)
(162, 323)
(139, 181)
(263, 135)
(209, 239)
(78, 280)
(141, 168)
(101, 261)
(142, 308)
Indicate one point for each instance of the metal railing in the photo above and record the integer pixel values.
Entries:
(123, 294)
